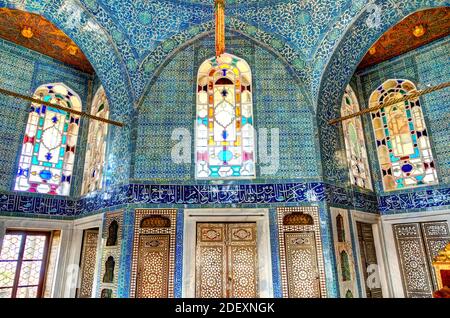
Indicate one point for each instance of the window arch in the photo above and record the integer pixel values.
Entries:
(401, 137)
(48, 149)
(355, 144)
(224, 140)
(96, 144)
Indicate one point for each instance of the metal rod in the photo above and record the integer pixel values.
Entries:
(72, 111)
(412, 95)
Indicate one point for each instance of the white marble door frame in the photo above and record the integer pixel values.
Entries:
(260, 216)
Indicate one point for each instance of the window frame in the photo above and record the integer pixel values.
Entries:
(20, 260)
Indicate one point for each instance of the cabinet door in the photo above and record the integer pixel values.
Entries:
(153, 266)
(301, 264)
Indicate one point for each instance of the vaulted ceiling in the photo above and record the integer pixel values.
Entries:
(429, 25)
(128, 40)
(36, 33)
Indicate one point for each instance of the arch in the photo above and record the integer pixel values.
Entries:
(224, 134)
(340, 66)
(48, 150)
(355, 144)
(96, 144)
(95, 42)
(155, 221)
(153, 62)
(108, 276)
(401, 138)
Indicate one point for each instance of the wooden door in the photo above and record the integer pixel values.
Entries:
(153, 266)
(417, 245)
(226, 260)
(369, 260)
(301, 264)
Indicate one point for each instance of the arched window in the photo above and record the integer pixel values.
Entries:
(48, 150)
(355, 144)
(401, 137)
(224, 147)
(96, 144)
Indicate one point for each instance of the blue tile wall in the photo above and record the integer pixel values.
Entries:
(336, 61)
(427, 65)
(23, 71)
(279, 102)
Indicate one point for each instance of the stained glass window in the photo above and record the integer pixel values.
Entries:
(48, 149)
(355, 144)
(22, 264)
(224, 123)
(401, 137)
(96, 144)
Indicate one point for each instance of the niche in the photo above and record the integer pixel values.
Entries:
(112, 233)
(108, 277)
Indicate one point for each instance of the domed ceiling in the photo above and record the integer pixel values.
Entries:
(418, 29)
(36, 33)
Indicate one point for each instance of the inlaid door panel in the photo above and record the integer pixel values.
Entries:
(417, 245)
(242, 260)
(153, 266)
(302, 269)
(368, 257)
(226, 260)
(87, 263)
(436, 236)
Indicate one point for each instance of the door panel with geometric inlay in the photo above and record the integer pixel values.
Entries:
(302, 268)
(226, 260)
(153, 266)
(417, 245)
(87, 263)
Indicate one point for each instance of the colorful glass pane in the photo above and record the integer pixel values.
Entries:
(96, 145)
(48, 149)
(224, 146)
(401, 137)
(355, 144)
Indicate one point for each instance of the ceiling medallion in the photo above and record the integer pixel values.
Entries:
(27, 32)
(419, 30)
